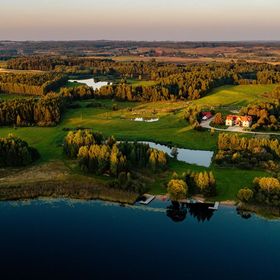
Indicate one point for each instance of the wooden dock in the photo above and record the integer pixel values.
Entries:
(149, 198)
(215, 207)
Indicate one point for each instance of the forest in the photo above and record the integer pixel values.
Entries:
(15, 152)
(45, 111)
(98, 155)
(248, 153)
(31, 84)
(265, 115)
(171, 81)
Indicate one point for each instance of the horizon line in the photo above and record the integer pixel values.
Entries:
(147, 41)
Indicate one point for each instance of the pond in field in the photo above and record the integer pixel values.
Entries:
(63, 239)
(91, 83)
(198, 157)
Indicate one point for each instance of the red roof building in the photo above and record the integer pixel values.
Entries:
(206, 115)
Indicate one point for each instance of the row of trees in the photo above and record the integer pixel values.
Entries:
(31, 84)
(248, 152)
(45, 111)
(16, 152)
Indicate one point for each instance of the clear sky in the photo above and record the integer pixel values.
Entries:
(180, 20)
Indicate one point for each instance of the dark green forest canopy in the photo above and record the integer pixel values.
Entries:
(31, 84)
(45, 111)
(16, 152)
(265, 115)
(171, 81)
(120, 160)
(248, 152)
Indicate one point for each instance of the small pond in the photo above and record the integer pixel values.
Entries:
(198, 157)
(91, 83)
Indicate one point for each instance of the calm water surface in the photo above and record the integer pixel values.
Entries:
(91, 83)
(96, 240)
(202, 158)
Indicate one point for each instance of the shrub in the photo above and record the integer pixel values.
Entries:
(245, 195)
(218, 119)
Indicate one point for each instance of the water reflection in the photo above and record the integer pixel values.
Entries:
(177, 212)
(244, 214)
(202, 158)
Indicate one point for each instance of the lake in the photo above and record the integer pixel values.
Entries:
(91, 83)
(60, 239)
(199, 157)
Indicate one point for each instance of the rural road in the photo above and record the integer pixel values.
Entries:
(237, 129)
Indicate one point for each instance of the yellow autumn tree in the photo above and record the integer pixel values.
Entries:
(177, 189)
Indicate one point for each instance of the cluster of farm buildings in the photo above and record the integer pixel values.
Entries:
(232, 120)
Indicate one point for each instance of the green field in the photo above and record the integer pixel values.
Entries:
(235, 96)
(8, 96)
(171, 128)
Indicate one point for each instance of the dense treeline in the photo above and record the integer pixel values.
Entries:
(31, 84)
(265, 115)
(16, 152)
(76, 65)
(98, 155)
(45, 111)
(79, 92)
(187, 83)
(248, 152)
(171, 81)
(140, 155)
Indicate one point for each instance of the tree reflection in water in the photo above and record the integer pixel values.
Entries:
(177, 212)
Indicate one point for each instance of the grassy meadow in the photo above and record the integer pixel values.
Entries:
(171, 128)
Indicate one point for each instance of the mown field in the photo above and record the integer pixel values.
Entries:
(235, 97)
(171, 128)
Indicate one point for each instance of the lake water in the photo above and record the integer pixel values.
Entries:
(202, 158)
(95, 240)
(91, 83)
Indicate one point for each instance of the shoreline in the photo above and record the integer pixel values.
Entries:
(67, 190)
(164, 197)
